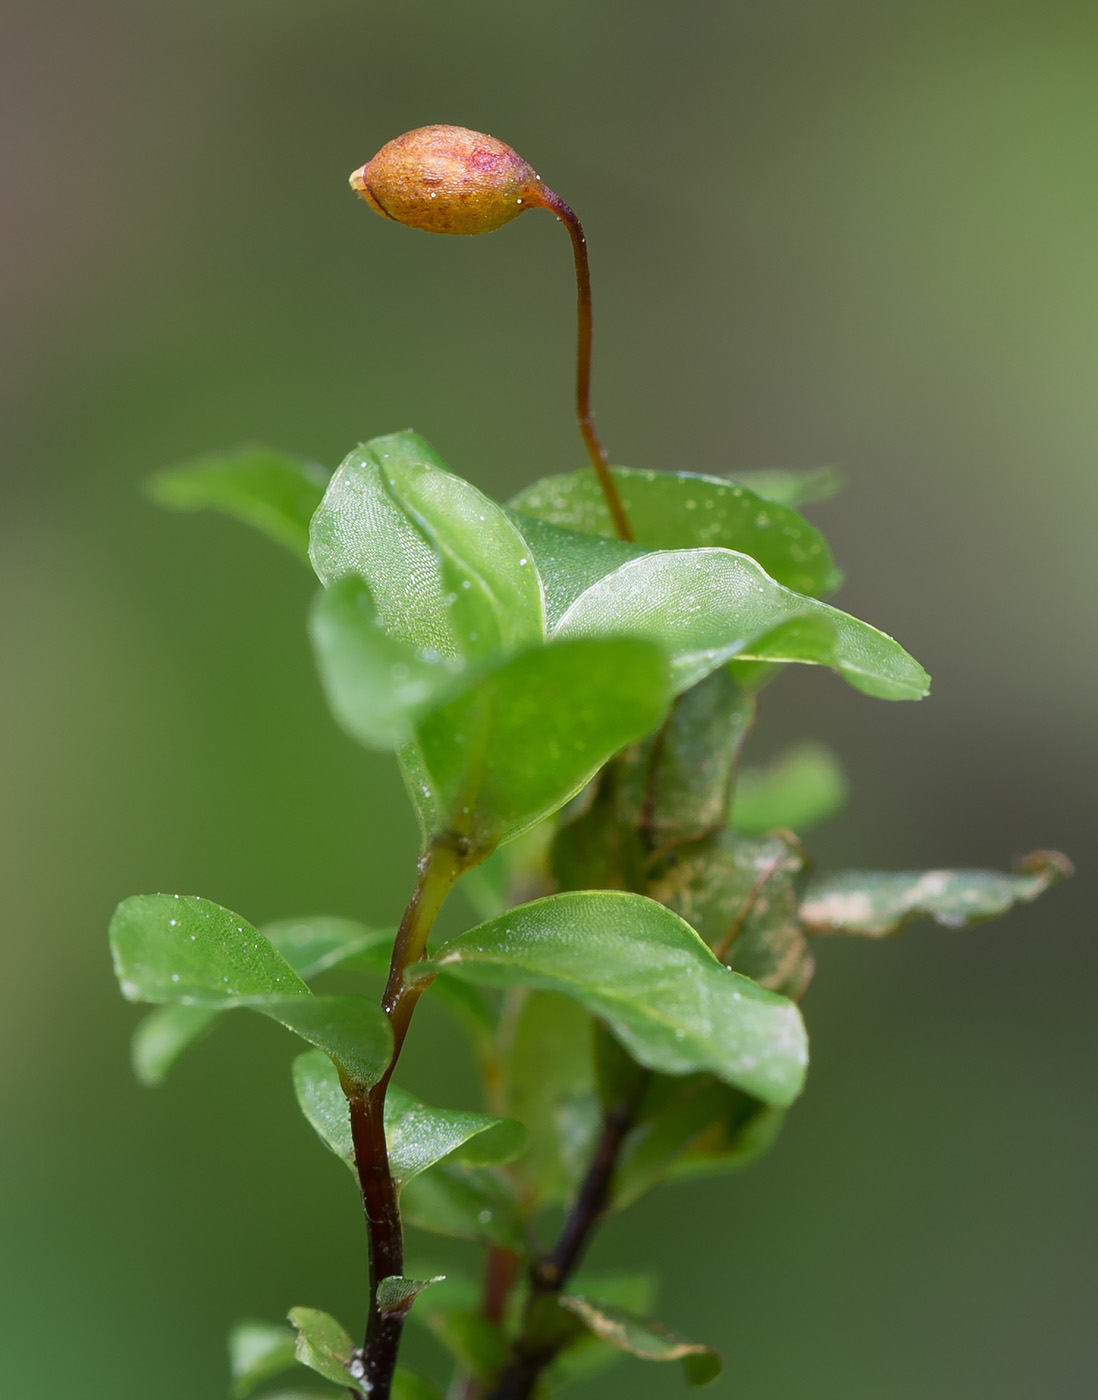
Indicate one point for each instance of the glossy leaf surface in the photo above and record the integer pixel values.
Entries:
(322, 1344)
(396, 1294)
(873, 904)
(523, 738)
(649, 976)
(418, 1136)
(644, 1338)
(447, 570)
(175, 948)
(678, 510)
(275, 494)
(569, 561)
(798, 790)
(709, 606)
(375, 684)
(259, 1351)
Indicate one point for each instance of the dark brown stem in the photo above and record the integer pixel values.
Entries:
(373, 1367)
(529, 1358)
(595, 450)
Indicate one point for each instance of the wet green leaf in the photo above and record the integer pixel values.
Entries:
(175, 948)
(648, 975)
(793, 488)
(873, 904)
(465, 1203)
(709, 606)
(417, 1136)
(376, 685)
(679, 510)
(447, 570)
(643, 1338)
(275, 494)
(258, 1351)
(311, 946)
(798, 790)
(396, 1294)
(569, 561)
(526, 736)
(741, 896)
(322, 1345)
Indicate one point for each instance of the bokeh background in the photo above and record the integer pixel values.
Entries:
(849, 232)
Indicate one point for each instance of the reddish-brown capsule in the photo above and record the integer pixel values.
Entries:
(447, 179)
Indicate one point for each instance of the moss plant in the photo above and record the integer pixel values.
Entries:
(567, 681)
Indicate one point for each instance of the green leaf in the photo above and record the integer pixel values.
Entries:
(275, 494)
(447, 570)
(258, 1351)
(680, 510)
(408, 1386)
(569, 561)
(873, 904)
(396, 1294)
(417, 1136)
(708, 606)
(649, 976)
(586, 1355)
(376, 685)
(163, 1035)
(691, 1128)
(320, 942)
(793, 488)
(522, 739)
(641, 1337)
(465, 1203)
(741, 896)
(677, 785)
(175, 948)
(798, 790)
(549, 1087)
(310, 946)
(323, 1345)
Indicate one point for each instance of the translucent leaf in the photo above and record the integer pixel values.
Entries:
(680, 510)
(175, 948)
(526, 736)
(708, 606)
(465, 1203)
(322, 1345)
(741, 896)
(259, 1351)
(569, 561)
(873, 904)
(649, 976)
(275, 494)
(793, 488)
(163, 1035)
(396, 1294)
(798, 790)
(447, 570)
(643, 1338)
(376, 684)
(310, 946)
(586, 1355)
(417, 1136)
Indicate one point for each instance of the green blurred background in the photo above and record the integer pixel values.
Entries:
(849, 232)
